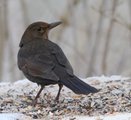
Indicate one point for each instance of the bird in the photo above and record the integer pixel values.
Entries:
(44, 62)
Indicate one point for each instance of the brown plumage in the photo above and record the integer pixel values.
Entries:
(44, 62)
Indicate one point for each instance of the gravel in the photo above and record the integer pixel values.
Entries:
(114, 97)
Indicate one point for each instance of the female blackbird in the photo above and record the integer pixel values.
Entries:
(44, 62)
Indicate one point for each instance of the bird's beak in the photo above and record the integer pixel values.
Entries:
(52, 25)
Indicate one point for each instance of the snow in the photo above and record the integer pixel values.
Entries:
(117, 116)
(13, 116)
(107, 79)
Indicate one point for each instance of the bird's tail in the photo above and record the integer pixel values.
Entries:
(78, 86)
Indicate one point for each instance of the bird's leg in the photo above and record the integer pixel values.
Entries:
(37, 96)
(58, 94)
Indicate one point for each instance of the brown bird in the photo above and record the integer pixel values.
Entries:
(44, 62)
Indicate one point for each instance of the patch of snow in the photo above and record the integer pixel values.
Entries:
(116, 116)
(107, 79)
(13, 116)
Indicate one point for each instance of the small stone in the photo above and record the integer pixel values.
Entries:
(35, 117)
(54, 109)
(68, 100)
(50, 113)
(53, 105)
(70, 107)
(116, 92)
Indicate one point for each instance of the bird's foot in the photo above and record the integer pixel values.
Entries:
(34, 103)
(57, 99)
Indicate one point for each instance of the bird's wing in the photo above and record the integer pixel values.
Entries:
(39, 66)
(62, 60)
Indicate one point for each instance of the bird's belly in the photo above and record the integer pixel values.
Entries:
(40, 81)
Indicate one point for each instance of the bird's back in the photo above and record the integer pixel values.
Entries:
(46, 51)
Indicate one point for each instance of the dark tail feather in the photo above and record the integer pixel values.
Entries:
(78, 86)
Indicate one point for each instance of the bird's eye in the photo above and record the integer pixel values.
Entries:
(39, 29)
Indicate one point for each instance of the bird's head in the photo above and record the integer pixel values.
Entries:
(37, 30)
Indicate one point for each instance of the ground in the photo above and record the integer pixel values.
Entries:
(113, 100)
